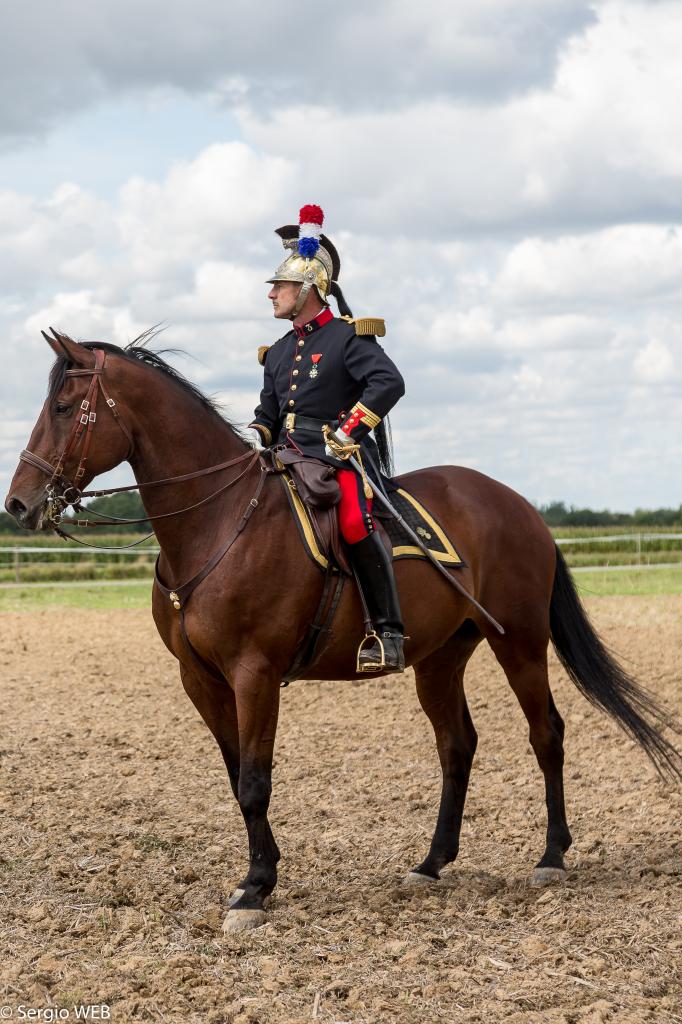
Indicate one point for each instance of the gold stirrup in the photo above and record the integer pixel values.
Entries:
(371, 667)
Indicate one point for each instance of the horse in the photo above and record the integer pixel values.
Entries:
(222, 520)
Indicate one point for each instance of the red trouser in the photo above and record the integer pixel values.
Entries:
(355, 510)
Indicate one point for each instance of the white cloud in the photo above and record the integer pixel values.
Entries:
(601, 144)
(627, 263)
(48, 235)
(359, 54)
(222, 291)
(94, 320)
(524, 246)
(654, 363)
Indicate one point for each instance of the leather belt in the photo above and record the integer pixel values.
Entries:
(294, 421)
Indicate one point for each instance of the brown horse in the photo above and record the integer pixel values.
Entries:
(248, 616)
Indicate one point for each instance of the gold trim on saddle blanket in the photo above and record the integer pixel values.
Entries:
(447, 557)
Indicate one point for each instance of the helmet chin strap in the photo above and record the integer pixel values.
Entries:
(309, 279)
(300, 301)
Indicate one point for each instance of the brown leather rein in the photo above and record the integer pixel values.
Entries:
(62, 492)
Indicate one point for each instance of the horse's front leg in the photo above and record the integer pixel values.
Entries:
(217, 706)
(243, 720)
(257, 702)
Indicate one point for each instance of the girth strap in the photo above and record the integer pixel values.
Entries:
(321, 627)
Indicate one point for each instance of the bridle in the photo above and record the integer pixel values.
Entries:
(62, 492)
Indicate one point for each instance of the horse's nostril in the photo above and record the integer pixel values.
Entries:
(16, 508)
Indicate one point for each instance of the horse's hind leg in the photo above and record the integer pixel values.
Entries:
(527, 675)
(440, 688)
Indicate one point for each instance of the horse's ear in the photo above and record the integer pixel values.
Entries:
(64, 346)
(54, 344)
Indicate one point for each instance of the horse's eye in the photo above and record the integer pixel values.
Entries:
(62, 409)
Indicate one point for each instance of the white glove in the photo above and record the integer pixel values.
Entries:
(339, 441)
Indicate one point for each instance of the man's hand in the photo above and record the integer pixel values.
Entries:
(339, 445)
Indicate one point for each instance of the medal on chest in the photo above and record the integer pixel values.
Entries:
(314, 370)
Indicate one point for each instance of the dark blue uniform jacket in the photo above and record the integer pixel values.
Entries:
(324, 371)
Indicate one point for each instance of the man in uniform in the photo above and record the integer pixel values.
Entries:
(331, 372)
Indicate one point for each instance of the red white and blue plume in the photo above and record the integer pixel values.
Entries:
(310, 222)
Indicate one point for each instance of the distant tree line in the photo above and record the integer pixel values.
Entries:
(557, 513)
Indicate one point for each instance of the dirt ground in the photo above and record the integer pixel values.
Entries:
(121, 843)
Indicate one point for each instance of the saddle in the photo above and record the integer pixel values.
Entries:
(314, 492)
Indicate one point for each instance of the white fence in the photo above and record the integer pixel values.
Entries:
(12, 558)
(639, 539)
(608, 538)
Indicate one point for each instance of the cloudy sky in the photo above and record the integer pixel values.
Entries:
(503, 180)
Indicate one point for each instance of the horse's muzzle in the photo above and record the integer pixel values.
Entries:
(27, 516)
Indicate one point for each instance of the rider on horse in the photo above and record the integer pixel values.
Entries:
(327, 385)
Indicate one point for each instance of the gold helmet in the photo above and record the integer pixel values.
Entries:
(313, 261)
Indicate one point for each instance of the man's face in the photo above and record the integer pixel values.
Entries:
(283, 295)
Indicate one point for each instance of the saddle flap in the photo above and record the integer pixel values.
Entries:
(316, 481)
(318, 527)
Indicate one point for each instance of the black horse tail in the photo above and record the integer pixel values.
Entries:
(603, 681)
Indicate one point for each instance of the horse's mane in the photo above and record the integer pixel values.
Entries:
(136, 351)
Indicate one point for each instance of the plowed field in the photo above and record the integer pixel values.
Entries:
(121, 842)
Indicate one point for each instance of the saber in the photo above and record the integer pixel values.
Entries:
(420, 544)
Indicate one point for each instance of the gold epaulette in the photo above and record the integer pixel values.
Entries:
(262, 352)
(367, 325)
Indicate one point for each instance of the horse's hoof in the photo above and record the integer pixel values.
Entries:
(237, 895)
(547, 876)
(417, 878)
(243, 920)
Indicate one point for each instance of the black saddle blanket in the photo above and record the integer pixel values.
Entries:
(413, 512)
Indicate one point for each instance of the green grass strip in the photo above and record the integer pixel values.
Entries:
(104, 596)
(100, 596)
(615, 582)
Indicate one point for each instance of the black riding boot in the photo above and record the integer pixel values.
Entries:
(374, 568)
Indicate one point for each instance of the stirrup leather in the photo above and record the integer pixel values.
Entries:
(371, 666)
